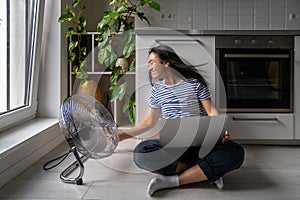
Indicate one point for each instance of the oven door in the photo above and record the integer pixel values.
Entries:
(256, 80)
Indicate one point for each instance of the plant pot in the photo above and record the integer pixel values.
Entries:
(122, 62)
(92, 88)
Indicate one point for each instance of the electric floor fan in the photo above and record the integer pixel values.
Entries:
(89, 129)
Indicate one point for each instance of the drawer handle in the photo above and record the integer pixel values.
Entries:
(272, 119)
(161, 41)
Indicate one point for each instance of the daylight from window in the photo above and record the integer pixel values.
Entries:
(3, 53)
(13, 65)
(18, 49)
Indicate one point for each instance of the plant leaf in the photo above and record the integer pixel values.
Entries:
(121, 9)
(107, 55)
(129, 49)
(154, 5)
(131, 116)
(83, 83)
(142, 17)
(131, 113)
(73, 44)
(82, 75)
(117, 24)
(132, 65)
(114, 75)
(75, 69)
(102, 55)
(122, 90)
(75, 3)
(118, 91)
(111, 57)
(83, 50)
(70, 32)
(80, 29)
(143, 2)
(125, 106)
(115, 15)
(70, 11)
(65, 18)
(82, 21)
(81, 64)
(102, 44)
(72, 57)
(126, 37)
(103, 40)
(106, 19)
(112, 2)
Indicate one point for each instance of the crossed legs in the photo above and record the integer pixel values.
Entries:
(222, 159)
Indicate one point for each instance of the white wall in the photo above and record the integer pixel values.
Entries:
(54, 67)
(94, 13)
(226, 14)
(210, 14)
(50, 82)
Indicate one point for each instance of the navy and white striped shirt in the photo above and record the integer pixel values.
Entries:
(179, 100)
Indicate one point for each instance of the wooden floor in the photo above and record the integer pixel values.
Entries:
(268, 173)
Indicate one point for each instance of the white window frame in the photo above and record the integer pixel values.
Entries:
(3, 53)
(28, 112)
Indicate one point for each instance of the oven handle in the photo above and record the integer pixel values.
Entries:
(256, 55)
(272, 119)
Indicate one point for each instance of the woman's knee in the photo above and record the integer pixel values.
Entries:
(237, 154)
(145, 159)
(147, 146)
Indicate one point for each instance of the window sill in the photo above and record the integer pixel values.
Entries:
(26, 143)
(14, 137)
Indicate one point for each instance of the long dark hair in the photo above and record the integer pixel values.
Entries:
(167, 54)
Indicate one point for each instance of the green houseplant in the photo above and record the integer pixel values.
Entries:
(77, 28)
(116, 21)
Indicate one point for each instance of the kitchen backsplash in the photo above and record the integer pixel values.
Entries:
(226, 15)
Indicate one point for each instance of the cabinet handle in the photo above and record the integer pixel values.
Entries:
(183, 40)
(179, 40)
(256, 56)
(272, 119)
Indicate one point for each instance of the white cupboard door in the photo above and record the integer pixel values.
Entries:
(196, 50)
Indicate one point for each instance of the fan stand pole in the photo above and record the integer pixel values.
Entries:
(79, 162)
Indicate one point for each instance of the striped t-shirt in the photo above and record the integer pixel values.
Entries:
(179, 100)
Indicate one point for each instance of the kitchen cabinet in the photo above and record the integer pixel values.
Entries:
(99, 74)
(196, 50)
(199, 50)
(260, 126)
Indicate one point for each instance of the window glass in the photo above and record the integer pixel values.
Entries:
(18, 26)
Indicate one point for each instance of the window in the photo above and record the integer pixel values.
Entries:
(18, 48)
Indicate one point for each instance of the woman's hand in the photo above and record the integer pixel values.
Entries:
(226, 137)
(123, 135)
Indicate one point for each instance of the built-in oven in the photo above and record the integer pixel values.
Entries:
(257, 73)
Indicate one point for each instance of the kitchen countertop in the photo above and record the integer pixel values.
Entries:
(164, 31)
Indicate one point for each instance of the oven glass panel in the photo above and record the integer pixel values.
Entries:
(256, 80)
